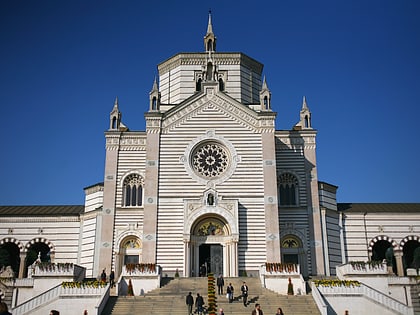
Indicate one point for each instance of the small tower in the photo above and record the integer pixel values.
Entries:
(305, 117)
(265, 96)
(154, 97)
(210, 38)
(115, 117)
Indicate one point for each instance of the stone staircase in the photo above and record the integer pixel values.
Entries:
(170, 299)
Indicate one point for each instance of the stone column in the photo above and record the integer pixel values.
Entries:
(22, 257)
(153, 125)
(271, 212)
(398, 258)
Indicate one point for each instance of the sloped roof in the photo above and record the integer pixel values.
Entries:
(68, 210)
(379, 207)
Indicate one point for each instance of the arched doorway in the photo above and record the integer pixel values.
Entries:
(211, 248)
(129, 252)
(292, 252)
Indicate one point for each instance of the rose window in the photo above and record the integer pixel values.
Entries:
(210, 160)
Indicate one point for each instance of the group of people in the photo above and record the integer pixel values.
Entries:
(230, 290)
(111, 277)
(199, 304)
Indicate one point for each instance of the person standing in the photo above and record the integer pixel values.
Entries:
(229, 290)
(221, 312)
(199, 302)
(189, 300)
(244, 290)
(220, 284)
(112, 279)
(103, 276)
(257, 310)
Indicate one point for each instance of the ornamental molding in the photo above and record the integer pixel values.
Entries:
(226, 210)
(245, 116)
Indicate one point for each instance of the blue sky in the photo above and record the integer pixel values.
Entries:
(62, 64)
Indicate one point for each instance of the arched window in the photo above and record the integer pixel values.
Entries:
(154, 103)
(133, 191)
(307, 122)
(266, 102)
(198, 85)
(114, 122)
(221, 85)
(288, 190)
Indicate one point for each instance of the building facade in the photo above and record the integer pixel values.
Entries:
(210, 183)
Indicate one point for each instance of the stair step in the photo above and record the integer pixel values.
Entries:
(171, 298)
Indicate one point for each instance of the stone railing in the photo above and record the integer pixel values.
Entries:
(369, 293)
(37, 301)
(319, 300)
(277, 276)
(56, 270)
(361, 268)
(56, 292)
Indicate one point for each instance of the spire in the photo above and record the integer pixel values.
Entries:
(155, 86)
(210, 38)
(209, 25)
(116, 103)
(304, 105)
(264, 86)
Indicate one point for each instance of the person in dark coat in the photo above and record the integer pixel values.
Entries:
(4, 310)
(229, 290)
(244, 290)
(189, 300)
(199, 303)
(220, 284)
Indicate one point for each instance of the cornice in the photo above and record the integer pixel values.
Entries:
(200, 59)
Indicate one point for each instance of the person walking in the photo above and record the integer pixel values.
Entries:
(229, 290)
(189, 300)
(220, 284)
(257, 310)
(199, 302)
(244, 290)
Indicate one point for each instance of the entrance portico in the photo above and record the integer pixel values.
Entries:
(211, 236)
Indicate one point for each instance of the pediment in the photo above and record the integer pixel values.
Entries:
(219, 101)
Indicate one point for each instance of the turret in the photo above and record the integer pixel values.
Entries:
(305, 117)
(154, 97)
(115, 123)
(265, 97)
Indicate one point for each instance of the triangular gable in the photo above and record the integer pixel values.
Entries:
(255, 121)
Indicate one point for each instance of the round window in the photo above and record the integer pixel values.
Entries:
(210, 160)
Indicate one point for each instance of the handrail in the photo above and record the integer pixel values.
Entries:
(37, 301)
(55, 293)
(319, 300)
(370, 294)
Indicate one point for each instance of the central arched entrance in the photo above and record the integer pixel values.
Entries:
(211, 248)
